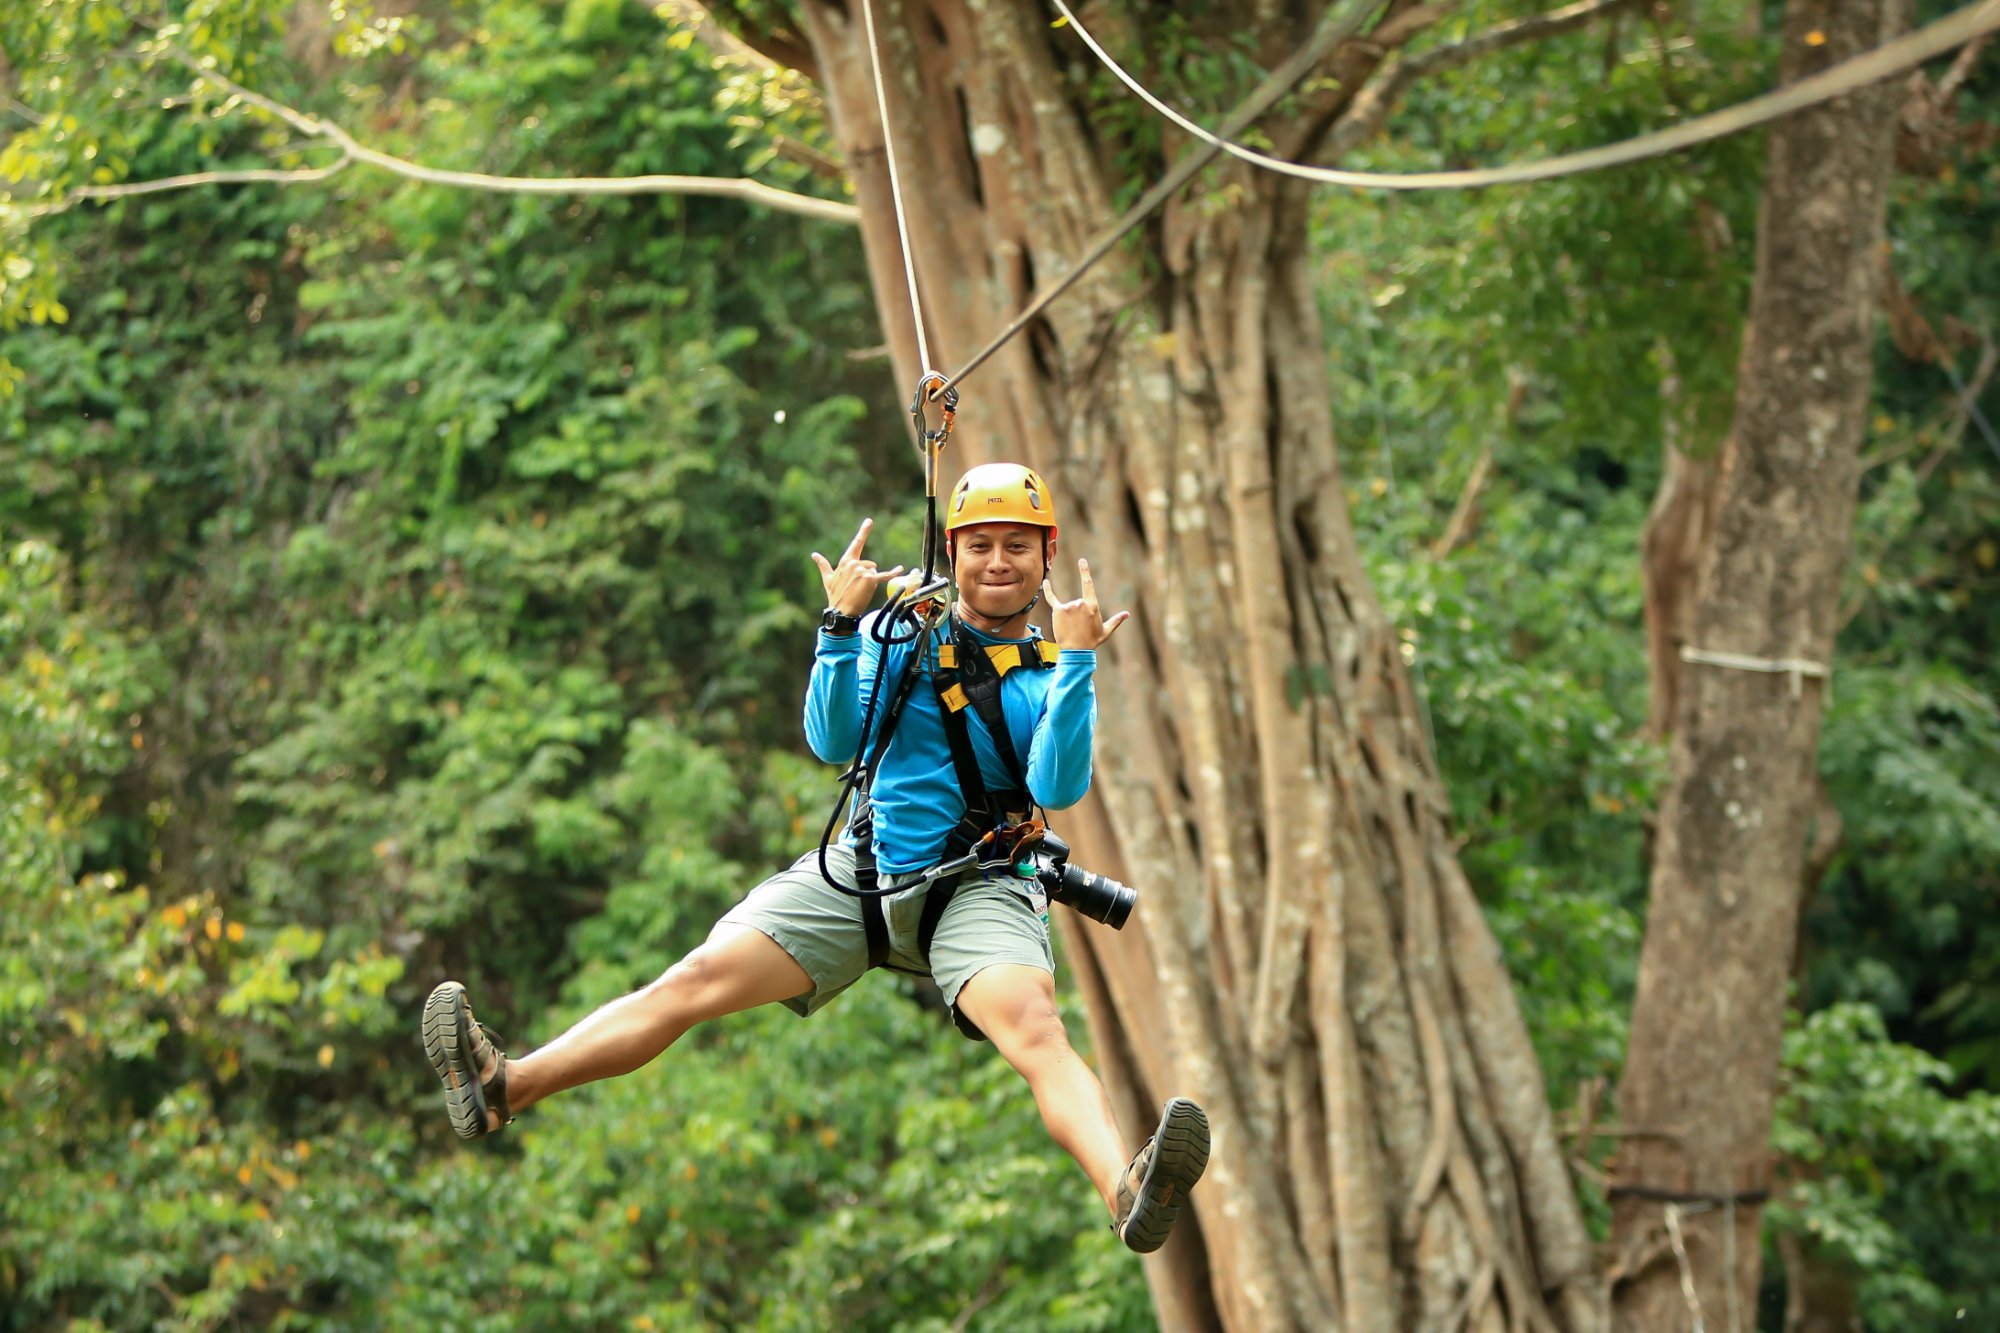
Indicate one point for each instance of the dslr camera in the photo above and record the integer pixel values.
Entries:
(1099, 897)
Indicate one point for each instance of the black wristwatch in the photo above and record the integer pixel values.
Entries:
(837, 623)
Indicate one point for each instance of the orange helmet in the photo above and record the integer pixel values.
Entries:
(1001, 493)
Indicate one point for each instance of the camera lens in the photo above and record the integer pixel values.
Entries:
(1098, 897)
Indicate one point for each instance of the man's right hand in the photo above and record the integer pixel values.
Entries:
(850, 585)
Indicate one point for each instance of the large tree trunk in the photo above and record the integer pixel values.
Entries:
(1732, 847)
(1308, 959)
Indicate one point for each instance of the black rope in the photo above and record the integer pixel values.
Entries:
(902, 609)
(1651, 1194)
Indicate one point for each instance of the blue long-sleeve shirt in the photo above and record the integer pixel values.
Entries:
(1051, 719)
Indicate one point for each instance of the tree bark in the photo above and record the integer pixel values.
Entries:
(1819, 1296)
(1732, 847)
(1308, 959)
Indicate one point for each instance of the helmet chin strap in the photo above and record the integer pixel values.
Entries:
(1001, 620)
(1032, 602)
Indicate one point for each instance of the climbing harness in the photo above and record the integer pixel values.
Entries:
(965, 674)
(968, 675)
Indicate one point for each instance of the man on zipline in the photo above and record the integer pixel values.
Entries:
(984, 939)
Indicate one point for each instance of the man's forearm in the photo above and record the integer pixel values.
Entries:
(1059, 758)
(833, 699)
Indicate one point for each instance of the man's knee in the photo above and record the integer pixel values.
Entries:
(735, 968)
(682, 989)
(1016, 1008)
(697, 987)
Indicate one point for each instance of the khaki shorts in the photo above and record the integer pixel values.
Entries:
(993, 919)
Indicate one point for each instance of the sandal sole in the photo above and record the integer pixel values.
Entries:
(448, 1043)
(1180, 1155)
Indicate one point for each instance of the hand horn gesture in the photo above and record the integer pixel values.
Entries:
(850, 585)
(1079, 624)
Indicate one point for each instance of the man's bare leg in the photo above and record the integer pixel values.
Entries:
(1015, 1006)
(737, 968)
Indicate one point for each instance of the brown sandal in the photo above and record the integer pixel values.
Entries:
(1150, 1193)
(458, 1045)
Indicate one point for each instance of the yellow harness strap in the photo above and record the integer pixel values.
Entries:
(1005, 657)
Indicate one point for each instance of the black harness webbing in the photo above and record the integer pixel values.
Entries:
(968, 675)
(861, 823)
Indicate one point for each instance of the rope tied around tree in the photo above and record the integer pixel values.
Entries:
(1798, 668)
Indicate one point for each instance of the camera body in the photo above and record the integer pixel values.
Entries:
(1098, 897)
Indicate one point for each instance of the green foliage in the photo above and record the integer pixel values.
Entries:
(401, 582)
(1534, 688)
(1568, 328)
(64, 738)
(438, 599)
(1913, 757)
(1888, 1173)
(1613, 300)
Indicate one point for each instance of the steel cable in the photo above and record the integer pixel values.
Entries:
(1893, 57)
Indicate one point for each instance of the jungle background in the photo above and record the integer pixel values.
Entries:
(399, 582)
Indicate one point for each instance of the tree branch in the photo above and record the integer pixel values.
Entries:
(725, 29)
(734, 187)
(823, 165)
(1929, 125)
(1372, 105)
(1968, 55)
(1459, 529)
(251, 176)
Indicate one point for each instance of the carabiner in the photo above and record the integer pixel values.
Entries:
(928, 387)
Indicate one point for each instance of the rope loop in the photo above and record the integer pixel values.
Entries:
(1798, 668)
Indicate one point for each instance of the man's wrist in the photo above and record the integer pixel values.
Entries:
(837, 623)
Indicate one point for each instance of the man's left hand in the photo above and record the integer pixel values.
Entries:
(1080, 624)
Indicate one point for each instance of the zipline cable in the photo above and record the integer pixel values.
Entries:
(932, 387)
(1333, 29)
(1893, 57)
(895, 185)
(913, 612)
(1905, 52)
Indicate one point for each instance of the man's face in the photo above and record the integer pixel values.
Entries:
(999, 566)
